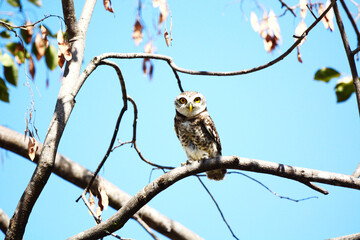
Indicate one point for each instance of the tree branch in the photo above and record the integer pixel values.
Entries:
(352, 21)
(283, 4)
(349, 54)
(355, 236)
(80, 176)
(118, 220)
(4, 221)
(63, 109)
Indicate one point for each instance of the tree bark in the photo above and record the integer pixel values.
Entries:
(80, 176)
(63, 108)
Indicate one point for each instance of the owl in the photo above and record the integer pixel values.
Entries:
(196, 130)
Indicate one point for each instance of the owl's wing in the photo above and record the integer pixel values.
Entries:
(176, 126)
(211, 129)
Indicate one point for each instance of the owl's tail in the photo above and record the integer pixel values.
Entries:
(218, 174)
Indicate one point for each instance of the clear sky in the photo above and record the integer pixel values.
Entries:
(279, 114)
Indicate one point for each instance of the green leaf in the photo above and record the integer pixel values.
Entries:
(14, 3)
(11, 74)
(344, 88)
(51, 57)
(36, 2)
(5, 34)
(12, 47)
(6, 60)
(4, 94)
(326, 74)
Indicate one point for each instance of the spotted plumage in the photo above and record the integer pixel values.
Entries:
(196, 130)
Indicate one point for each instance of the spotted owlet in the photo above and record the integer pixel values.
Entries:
(196, 130)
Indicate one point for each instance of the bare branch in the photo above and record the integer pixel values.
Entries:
(267, 188)
(123, 110)
(283, 4)
(118, 220)
(134, 139)
(95, 62)
(80, 176)
(145, 226)
(355, 236)
(357, 172)
(352, 21)
(4, 221)
(63, 109)
(349, 55)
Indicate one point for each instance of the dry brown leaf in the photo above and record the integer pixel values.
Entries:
(64, 52)
(270, 42)
(254, 22)
(303, 8)
(148, 67)
(91, 202)
(103, 199)
(44, 35)
(167, 38)
(40, 47)
(330, 16)
(164, 11)
(328, 19)
(98, 212)
(300, 29)
(274, 25)
(298, 54)
(61, 61)
(108, 6)
(32, 148)
(268, 29)
(30, 31)
(31, 67)
(137, 34)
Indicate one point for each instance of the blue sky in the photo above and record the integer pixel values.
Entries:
(279, 114)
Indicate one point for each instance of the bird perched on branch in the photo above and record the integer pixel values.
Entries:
(196, 130)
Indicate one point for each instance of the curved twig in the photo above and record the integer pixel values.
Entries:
(134, 139)
(123, 110)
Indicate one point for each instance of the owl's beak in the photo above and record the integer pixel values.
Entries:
(190, 107)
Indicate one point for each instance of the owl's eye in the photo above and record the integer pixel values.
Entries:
(197, 99)
(182, 100)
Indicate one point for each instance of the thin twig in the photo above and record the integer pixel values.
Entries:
(311, 11)
(87, 204)
(145, 226)
(134, 138)
(267, 188)
(176, 68)
(349, 55)
(353, 23)
(123, 109)
(218, 208)
(283, 4)
(10, 26)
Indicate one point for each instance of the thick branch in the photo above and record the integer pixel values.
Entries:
(79, 176)
(355, 236)
(64, 106)
(118, 220)
(4, 221)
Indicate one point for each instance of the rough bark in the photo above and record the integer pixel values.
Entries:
(80, 176)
